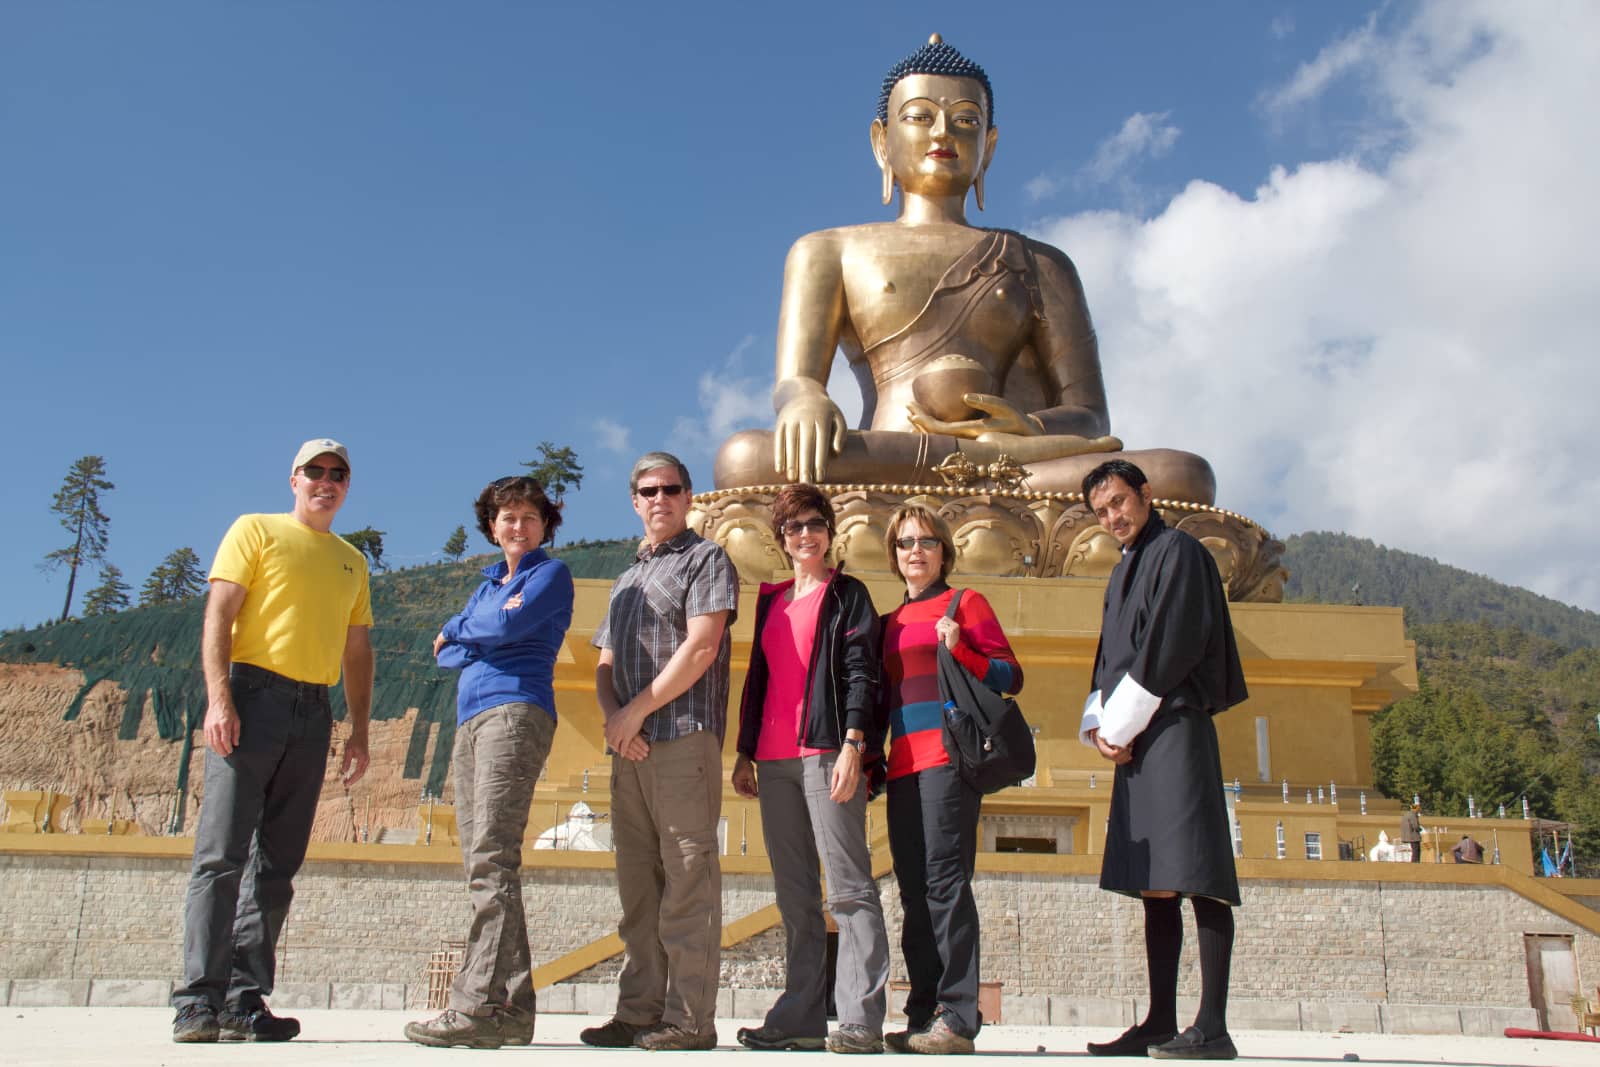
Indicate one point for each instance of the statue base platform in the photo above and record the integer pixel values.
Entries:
(998, 533)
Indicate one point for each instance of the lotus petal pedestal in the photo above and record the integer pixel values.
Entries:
(999, 532)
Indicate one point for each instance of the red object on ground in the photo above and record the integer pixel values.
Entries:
(1551, 1035)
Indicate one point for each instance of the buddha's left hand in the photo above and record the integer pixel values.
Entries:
(1002, 417)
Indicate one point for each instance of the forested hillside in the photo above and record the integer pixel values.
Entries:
(1335, 568)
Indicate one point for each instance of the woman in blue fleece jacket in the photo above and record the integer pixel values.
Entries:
(504, 642)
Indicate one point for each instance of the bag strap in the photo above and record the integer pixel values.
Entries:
(955, 602)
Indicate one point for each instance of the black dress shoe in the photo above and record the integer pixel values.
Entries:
(1133, 1042)
(1194, 1045)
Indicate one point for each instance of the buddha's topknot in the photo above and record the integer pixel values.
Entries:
(935, 57)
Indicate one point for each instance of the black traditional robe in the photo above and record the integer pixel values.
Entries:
(1167, 640)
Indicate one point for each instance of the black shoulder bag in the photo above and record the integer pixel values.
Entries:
(988, 740)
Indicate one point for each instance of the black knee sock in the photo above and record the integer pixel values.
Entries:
(1163, 944)
(1215, 923)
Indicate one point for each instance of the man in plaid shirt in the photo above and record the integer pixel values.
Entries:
(662, 682)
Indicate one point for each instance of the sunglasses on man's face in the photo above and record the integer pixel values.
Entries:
(906, 544)
(795, 527)
(649, 491)
(316, 473)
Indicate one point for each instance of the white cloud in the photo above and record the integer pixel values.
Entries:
(1404, 350)
(730, 399)
(1042, 187)
(1143, 134)
(611, 436)
(1282, 26)
(1361, 46)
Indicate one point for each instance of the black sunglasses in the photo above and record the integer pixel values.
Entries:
(797, 526)
(906, 544)
(649, 491)
(317, 472)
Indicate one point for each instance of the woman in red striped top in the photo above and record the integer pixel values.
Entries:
(933, 814)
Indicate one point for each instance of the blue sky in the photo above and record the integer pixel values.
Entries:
(444, 234)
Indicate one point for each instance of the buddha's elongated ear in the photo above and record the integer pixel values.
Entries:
(988, 157)
(878, 134)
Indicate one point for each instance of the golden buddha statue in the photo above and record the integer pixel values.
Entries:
(964, 340)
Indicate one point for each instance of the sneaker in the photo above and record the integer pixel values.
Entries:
(615, 1034)
(451, 1029)
(940, 1040)
(239, 1023)
(194, 1022)
(516, 1029)
(854, 1038)
(770, 1039)
(676, 1039)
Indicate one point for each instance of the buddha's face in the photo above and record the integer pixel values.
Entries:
(937, 139)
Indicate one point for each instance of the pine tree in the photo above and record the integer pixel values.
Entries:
(557, 469)
(178, 577)
(111, 595)
(370, 543)
(456, 546)
(78, 504)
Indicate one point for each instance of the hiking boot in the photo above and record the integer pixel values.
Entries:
(451, 1029)
(767, 1038)
(194, 1022)
(516, 1029)
(940, 1040)
(899, 1040)
(257, 1023)
(677, 1039)
(854, 1038)
(615, 1034)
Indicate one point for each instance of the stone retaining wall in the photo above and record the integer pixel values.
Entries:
(1310, 954)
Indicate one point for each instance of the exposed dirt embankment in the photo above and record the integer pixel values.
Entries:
(138, 779)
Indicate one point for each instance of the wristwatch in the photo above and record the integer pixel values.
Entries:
(857, 743)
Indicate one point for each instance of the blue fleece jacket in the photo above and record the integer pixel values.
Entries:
(507, 655)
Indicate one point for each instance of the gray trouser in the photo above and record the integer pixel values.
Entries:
(802, 823)
(496, 763)
(664, 814)
(255, 823)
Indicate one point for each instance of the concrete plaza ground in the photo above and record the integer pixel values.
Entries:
(81, 1037)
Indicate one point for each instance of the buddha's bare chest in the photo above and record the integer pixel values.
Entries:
(888, 285)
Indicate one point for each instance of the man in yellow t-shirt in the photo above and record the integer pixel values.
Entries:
(288, 610)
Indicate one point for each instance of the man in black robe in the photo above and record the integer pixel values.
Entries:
(1167, 662)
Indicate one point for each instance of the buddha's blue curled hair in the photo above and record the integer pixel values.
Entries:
(936, 57)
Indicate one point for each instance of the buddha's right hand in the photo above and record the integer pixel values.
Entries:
(810, 430)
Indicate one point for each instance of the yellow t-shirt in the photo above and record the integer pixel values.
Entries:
(305, 589)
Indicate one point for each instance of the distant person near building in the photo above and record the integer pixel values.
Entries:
(505, 643)
(288, 610)
(1411, 832)
(662, 684)
(1467, 850)
(1167, 663)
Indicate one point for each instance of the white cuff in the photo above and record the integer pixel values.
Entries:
(1128, 712)
(1091, 718)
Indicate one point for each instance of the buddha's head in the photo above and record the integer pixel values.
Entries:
(934, 133)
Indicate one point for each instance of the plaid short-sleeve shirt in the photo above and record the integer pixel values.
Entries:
(648, 620)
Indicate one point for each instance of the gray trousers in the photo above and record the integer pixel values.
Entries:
(801, 824)
(497, 759)
(255, 823)
(664, 815)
